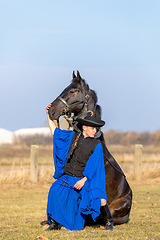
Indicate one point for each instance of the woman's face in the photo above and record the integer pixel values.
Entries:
(89, 131)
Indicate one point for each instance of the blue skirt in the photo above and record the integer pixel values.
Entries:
(64, 203)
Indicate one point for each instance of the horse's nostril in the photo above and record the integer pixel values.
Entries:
(51, 112)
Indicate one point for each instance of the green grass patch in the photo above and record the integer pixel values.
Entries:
(23, 207)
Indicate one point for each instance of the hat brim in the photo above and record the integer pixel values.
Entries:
(90, 123)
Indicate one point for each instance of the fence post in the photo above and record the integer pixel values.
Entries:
(138, 161)
(34, 163)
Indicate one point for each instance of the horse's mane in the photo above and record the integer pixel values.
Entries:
(85, 88)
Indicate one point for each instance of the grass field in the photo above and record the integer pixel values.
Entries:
(23, 207)
(22, 204)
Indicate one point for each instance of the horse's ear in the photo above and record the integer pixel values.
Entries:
(78, 76)
(73, 75)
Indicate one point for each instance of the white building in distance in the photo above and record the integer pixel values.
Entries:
(32, 131)
(6, 137)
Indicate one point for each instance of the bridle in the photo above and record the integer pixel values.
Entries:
(67, 111)
(68, 107)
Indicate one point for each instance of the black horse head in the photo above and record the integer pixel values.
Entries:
(77, 98)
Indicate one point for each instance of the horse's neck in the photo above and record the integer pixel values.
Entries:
(90, 106)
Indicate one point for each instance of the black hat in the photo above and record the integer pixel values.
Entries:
(91, 121)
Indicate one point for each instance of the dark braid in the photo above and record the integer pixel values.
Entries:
(74, 145)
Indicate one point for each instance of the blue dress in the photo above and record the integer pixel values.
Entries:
(67, 205)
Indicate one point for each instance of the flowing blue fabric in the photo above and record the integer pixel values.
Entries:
(67, 205)
(61, 144)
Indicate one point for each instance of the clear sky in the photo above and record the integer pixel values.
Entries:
(114, 44)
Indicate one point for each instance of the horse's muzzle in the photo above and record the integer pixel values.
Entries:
(52, 114)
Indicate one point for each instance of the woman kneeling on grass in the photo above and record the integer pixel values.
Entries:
(80, 188)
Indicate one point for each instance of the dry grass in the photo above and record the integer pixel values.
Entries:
(15, 162)
(21, 174)
(20, 155)
(16, 154)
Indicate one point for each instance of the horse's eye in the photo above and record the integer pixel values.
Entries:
(74, 90)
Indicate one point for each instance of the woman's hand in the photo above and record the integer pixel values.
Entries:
(79, 184)
(51, 123)
(47, 108)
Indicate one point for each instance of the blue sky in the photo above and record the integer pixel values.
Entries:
(114, 44)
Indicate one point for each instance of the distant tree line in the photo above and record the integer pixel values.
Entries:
(111, 137)
(130, 138)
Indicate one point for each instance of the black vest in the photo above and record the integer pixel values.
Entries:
(77, 160)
